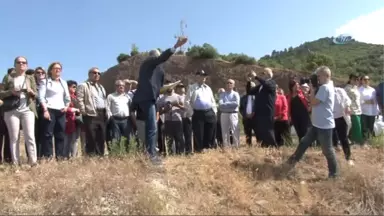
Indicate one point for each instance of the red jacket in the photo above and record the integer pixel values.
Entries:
(70, 117)
(281, 108)
(303, 99)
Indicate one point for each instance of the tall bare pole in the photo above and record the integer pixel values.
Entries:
(183, 26)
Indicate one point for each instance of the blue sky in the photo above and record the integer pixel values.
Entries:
(86, 33)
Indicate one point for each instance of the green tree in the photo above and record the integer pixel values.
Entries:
(316, 60)
(134, 50)
(122, 57)
(206, 51)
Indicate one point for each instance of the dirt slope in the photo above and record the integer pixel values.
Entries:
(183, 68)
(242, 182)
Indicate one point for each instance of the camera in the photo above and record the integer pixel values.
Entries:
(314, 81)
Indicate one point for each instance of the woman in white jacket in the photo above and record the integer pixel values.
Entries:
(341, 113)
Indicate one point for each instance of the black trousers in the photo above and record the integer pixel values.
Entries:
(118, 128)
(341, 131)
(282, 133)
(301, 127)
(39, 134)
(95, 133)
(161, 137)
(367, 125)
(265, 131)
(54, 128)
(187, 131)
(5, 148)
(203, 125)
(218, 134)
(173, 130)
(249, 127)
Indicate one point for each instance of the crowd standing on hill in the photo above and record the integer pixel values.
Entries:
(170, 118)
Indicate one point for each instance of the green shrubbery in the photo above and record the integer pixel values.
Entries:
(206, 51)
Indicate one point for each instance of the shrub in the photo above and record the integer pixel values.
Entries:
(244, 59)
(122, 57)
(206, 51)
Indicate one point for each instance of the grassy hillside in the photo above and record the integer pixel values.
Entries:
(355, 56)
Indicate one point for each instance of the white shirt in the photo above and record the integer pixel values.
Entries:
(118, 105)
(20, 83)
(368, 93)
(98, 94)
(342, 101)
(201, 92)
(249, 104)
(54, 93)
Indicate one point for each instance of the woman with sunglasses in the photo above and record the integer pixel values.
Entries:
(23, 88)
(369, 108)
(72, 128)
(54, 100)
(39, 77)
(352, 89)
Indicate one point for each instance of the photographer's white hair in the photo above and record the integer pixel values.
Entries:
(269, 72)
(119, 82)
(324, 70)
(154, 53)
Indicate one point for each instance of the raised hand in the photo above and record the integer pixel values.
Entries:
(180, 42)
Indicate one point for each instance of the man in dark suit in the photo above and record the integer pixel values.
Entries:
(264, 108)
(247, 102)
(151, 79)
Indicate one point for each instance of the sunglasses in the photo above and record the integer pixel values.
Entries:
(95, 72)
(21, 62)
(40, 73)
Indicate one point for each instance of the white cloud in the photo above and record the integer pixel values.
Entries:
(367, 28)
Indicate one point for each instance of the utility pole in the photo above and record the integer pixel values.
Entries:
(183, 26)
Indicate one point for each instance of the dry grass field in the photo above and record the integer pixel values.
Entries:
(246, 181)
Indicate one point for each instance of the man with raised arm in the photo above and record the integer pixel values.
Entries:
(151, 79)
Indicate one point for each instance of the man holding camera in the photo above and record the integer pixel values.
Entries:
(322, 97)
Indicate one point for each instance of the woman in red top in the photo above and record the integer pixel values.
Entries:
(282, 127)
(72, 131)
(298, 109)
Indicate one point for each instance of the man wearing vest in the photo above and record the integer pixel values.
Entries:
(92, 101)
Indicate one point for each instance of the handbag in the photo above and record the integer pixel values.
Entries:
(79, 120)
(10, 103)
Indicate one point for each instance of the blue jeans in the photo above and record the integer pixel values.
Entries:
(324, 137)
(54, 128)
(121, 127)
(149, 111)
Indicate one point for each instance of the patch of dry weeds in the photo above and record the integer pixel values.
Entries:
(231, 182)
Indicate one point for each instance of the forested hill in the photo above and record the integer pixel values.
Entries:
(361, 58)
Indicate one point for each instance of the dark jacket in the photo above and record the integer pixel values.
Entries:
(151, 77)
(265, 99)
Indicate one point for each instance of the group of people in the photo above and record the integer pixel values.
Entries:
(170, 118)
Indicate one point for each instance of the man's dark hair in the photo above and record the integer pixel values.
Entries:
(10, 70)
(71, 83)
(30, 72)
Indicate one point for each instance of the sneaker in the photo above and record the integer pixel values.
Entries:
(351, 163)
(338, 148)
(155, 160)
